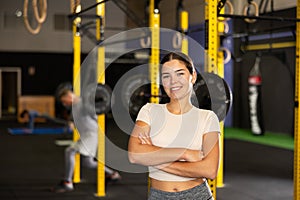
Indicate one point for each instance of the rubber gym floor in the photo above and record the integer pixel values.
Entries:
(255, 168)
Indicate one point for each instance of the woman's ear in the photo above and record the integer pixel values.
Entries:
(194, 77)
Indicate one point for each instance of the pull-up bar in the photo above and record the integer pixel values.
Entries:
(87, 9)
(270, 18)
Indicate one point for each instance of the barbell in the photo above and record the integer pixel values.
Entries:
(96, 98)
(210, 92)
(213, 93)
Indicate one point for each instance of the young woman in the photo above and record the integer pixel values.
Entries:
(179, 142)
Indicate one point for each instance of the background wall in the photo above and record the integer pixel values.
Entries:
(55, 34)
(50, 51)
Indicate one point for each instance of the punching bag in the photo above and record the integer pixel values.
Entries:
(255, 102)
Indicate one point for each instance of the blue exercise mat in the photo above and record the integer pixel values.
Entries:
(27, 131)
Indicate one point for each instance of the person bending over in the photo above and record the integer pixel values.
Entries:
(87, 126)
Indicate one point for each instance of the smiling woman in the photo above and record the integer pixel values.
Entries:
(178, 77)
(177, 141)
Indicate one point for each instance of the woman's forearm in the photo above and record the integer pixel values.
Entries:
(143, 152)
(206, 168)
(150, 155)
(190, 169)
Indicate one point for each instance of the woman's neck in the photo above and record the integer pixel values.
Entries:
(179, 106)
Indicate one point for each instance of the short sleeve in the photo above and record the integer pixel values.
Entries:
(213, 124)
(144, 114)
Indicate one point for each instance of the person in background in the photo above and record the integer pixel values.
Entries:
(29, 117)
(177, 141)
(87, 126)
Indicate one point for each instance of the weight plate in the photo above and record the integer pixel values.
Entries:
(213, 93)
(97, 99)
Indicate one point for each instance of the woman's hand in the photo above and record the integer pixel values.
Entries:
(193, 155)
(71, 125)
(145, 139)
(189, 156)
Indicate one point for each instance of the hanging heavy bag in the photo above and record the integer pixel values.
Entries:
(255, 102)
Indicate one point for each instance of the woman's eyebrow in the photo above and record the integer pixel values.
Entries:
(178, 70)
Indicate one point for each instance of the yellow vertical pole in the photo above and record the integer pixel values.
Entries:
(212, 35)
(211, 51)
(154, 24)
(76, 83)
(297, 113)
(220, 72)
(184, 25)
(101, 118)
(154, 20)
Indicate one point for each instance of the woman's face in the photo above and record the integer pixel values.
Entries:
(177, 80)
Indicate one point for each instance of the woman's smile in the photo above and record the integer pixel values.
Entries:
(176, 88)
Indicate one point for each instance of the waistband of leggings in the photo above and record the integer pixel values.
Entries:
(198, 187)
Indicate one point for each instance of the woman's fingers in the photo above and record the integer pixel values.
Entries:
(145, 139)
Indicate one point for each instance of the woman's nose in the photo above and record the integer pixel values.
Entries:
(174, 79)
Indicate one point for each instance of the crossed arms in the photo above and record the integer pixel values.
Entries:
(178, 161)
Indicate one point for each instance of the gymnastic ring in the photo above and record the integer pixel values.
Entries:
(145, 44)
(231, 10)
(27, 25)
(73, 5)
(246, 7)
(226, 28)
(177, 40)
(42, 18)
(228, 54)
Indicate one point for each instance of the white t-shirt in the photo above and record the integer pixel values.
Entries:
(169, 130)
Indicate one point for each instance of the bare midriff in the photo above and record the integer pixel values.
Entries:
(175, 186)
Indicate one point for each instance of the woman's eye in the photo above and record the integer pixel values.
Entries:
(180, 74)
(165, 76)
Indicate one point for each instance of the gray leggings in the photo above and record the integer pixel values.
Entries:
(200, 192)
(87, 161)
